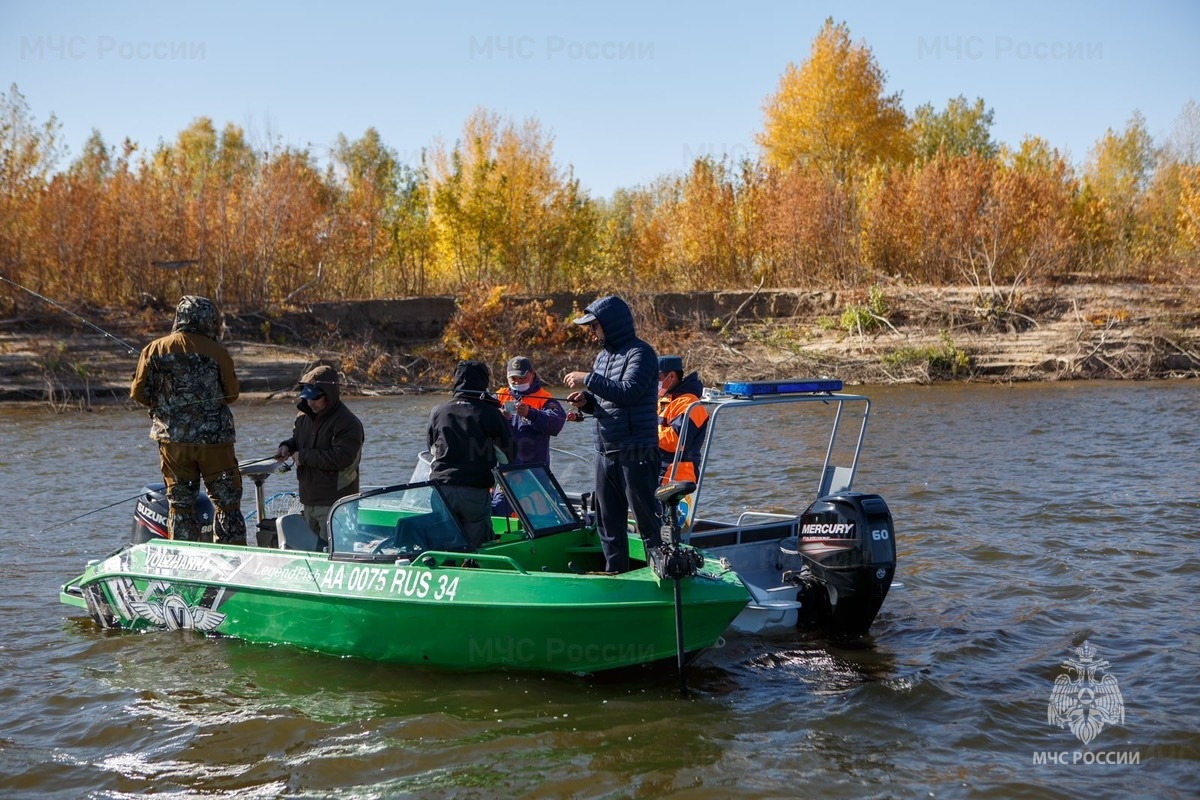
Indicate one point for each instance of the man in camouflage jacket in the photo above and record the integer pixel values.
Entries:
(187, 380)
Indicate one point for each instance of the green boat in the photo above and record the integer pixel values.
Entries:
(398, 586)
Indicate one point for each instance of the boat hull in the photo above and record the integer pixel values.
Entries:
(435, 611)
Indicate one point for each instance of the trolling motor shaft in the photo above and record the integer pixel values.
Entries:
(670, 559)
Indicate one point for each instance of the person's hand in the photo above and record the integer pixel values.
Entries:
(574, 380)
(282, 453)
(577, 399)
(522, 411)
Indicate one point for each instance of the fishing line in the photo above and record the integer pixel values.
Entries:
(241, 465)
(133, 351)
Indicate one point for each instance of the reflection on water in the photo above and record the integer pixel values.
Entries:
(1028, 519)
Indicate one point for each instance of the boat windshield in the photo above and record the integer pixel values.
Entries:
(394, 522)
(803, 445)
(537, 498)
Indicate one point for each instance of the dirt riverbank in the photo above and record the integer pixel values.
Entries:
(930, 334)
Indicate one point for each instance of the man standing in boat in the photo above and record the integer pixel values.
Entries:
(534, 415)
(621, 393)
(679, 429)
(187, 380)
(326, 447)
(467, 435)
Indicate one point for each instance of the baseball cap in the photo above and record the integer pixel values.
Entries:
(310, 392)
(519, 366)
(587, 319)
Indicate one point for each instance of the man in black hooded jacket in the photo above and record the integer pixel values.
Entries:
(465, 434)
(621, 392)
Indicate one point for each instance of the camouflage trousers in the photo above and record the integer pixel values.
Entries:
(184, 466)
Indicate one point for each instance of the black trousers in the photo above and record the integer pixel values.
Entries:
(625, 481)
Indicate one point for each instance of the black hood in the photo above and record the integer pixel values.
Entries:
(471, 377)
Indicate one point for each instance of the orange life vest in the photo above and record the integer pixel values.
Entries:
(670, 408)
(536, 400)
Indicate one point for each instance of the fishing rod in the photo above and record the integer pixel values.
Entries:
(133, 351)
(241, 465)
(130, 349)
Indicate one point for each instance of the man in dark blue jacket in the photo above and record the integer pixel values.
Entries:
(621, 392)
(465, 434)
(534, 415)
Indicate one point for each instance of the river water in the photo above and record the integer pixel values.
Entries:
(1029, 520)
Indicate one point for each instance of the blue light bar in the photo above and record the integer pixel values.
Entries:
(796, 386)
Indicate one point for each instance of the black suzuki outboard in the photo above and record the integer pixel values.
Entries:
(843, 562)
(150, 516)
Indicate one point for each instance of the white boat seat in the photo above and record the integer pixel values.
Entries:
(294, 533)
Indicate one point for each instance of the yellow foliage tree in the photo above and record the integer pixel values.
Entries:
(1189, 212)
(1118, 173)
(503, 211)
(831, 113)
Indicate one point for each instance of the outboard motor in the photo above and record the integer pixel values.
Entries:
(844, 561)
(150, 516)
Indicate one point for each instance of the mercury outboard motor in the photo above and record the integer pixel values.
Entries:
(150, 516)
(843, 560)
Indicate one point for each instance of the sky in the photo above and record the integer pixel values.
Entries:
(628, 91)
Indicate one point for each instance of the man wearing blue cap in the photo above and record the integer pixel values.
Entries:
(681, 425)
(326, 447)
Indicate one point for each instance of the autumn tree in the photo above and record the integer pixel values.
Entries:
(960, 129)
(1171, 215)
(806, 232)
(701, 217)
(75, 222)
(504, 211)
(366, 174)
(286, 212)
(1117, 175)
(993, 222)
(29, 152)
(632, 240)
(831, 112)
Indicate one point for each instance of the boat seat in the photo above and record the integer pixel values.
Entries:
(674, 491)
(294, 533)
